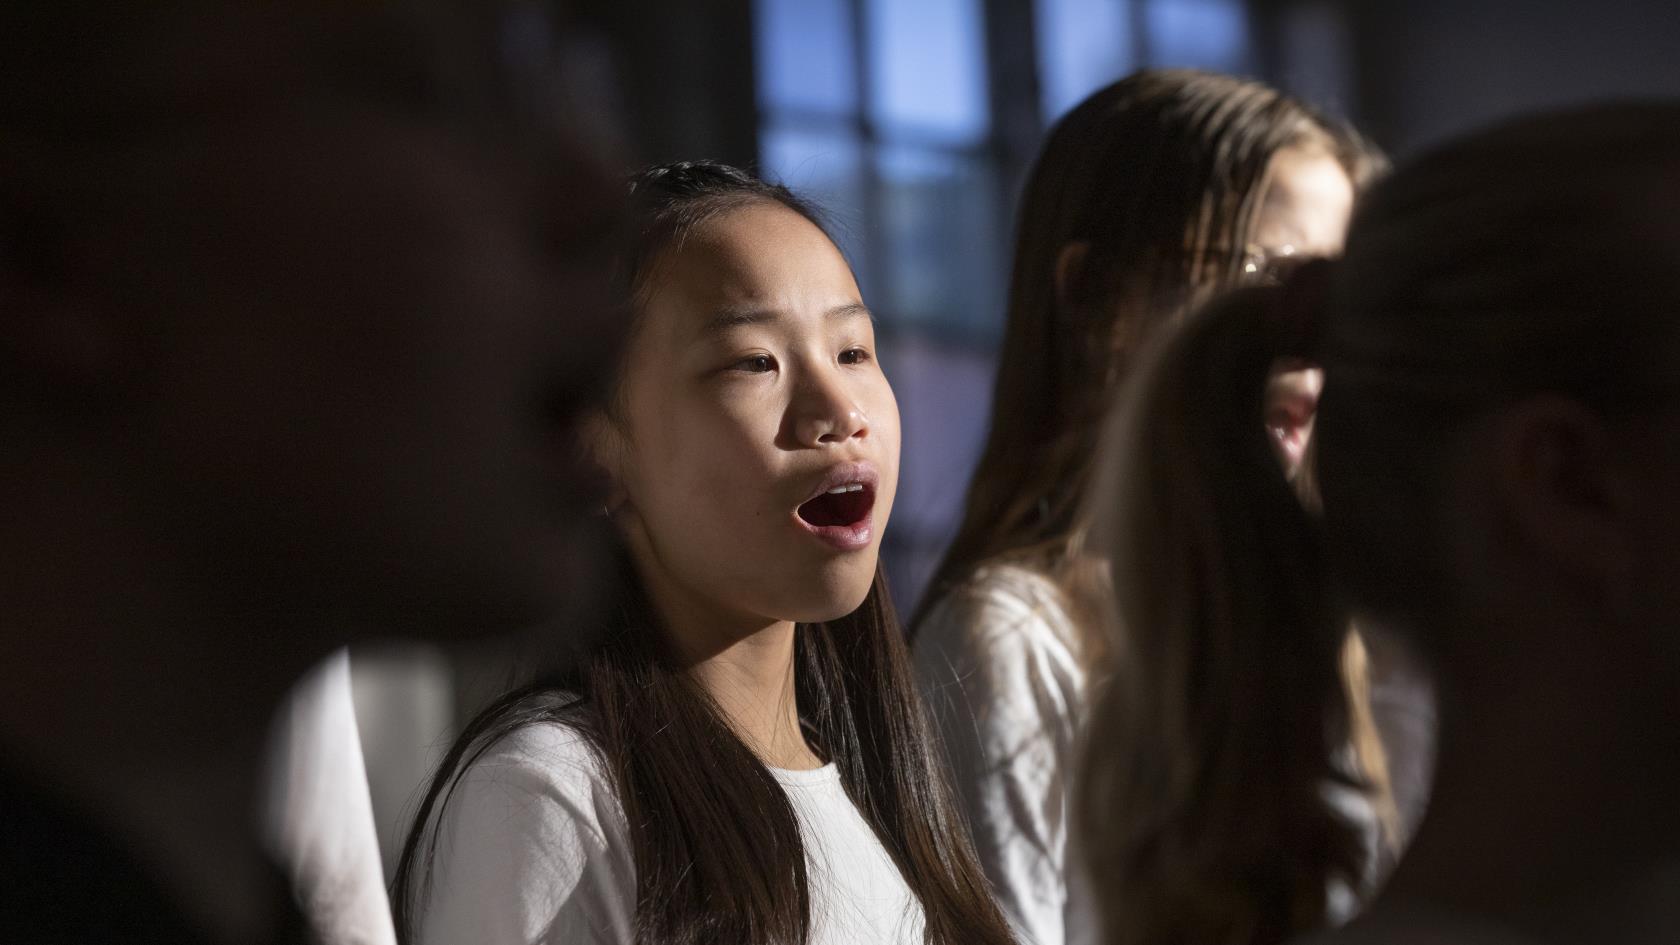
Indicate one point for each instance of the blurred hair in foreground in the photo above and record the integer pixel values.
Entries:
(1497, 458)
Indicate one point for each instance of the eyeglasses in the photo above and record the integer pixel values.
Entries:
(1267, 265)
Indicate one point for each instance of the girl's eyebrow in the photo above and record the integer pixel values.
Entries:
(851, 310)
(730, 318)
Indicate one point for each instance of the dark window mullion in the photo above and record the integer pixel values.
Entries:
(872, 211)
(895, 135)
(1143, 43)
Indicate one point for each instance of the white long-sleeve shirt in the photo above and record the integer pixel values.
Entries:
(998, 662)
(534, 848)
(320, 815)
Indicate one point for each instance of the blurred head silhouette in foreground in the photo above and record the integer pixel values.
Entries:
(301, 304)
(1498, 456)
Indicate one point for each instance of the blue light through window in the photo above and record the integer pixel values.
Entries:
(1082, 46)
(804, 56)
(1202, 34)
(928, 68)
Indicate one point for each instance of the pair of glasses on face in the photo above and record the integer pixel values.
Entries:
(1266, 265)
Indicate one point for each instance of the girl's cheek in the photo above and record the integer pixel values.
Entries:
(885, 415)
(750, 426)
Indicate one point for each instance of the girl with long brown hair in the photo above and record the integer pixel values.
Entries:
(741, 756)
(1150, 196)
(1497, 456)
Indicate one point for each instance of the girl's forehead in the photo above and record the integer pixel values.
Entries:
(756, 235)
(1308, 201)
(761, 256)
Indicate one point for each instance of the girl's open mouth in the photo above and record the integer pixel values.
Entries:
(842, 515)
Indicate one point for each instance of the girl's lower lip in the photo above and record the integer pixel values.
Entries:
(853, 537)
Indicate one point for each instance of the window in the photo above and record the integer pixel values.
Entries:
(880, 111)
(1086, 44)
(1204, 34)
(1083, 45)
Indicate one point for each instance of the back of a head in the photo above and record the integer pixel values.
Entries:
(1534, 258)
(1155, 183)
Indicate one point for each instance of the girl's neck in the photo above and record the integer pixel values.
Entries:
(752, 682)
(745, 665)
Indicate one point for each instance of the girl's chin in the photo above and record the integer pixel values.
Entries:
(836, 596)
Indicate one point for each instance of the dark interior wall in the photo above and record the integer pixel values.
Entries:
(684, 71)
(1427, 69)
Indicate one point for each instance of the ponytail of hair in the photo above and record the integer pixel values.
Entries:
(1211, 747)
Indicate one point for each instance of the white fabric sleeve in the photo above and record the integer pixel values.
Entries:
(1005, 707)
(319, 816)
(531, 849)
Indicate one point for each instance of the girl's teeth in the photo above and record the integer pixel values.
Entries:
(850, 487)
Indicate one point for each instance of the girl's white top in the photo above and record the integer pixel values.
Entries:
(534, 848)
(999, 665)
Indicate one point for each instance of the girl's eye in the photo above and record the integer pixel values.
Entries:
(854, 356)
(757, 364)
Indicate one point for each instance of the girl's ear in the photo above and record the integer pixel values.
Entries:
(1557, 485)
(1070, 266)
(604, 444)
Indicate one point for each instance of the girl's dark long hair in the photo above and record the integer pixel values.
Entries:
(715, 842)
